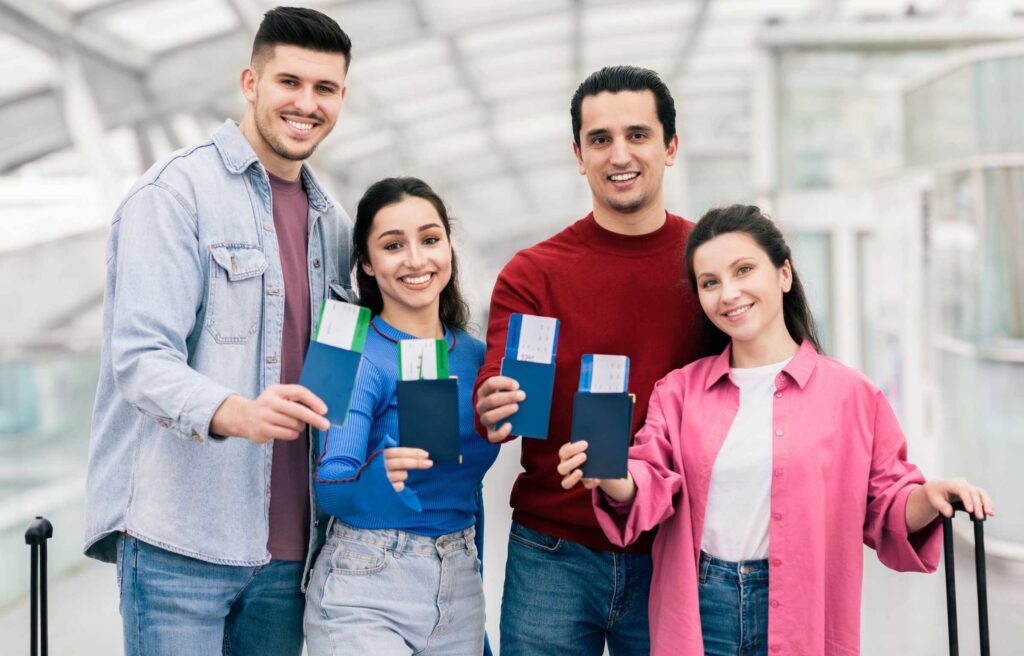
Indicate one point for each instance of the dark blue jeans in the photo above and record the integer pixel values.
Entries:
(734, 607)
(172, 604)
(564, 599)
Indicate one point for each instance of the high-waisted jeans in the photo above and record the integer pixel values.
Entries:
(734, 607)
(393, 593)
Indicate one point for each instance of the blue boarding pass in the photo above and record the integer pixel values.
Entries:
(604, 374)
(532, 338)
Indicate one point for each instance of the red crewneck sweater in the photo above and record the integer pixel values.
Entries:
(614, 294)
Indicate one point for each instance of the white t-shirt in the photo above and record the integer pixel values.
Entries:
(739, 499)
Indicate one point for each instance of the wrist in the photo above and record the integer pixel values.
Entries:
(230, 417)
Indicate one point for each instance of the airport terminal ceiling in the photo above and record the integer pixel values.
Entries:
(471, 95)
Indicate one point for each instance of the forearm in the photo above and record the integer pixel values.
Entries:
(919, 512)
(620, 490)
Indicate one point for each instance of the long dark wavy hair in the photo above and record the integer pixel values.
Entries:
(749, 220)
(454, 310)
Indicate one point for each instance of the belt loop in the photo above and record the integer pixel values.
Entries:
(705, 560)
(400, 540)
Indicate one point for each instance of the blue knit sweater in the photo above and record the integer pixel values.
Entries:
(351, 481)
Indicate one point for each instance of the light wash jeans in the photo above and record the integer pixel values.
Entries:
(564, 599)
(734, 606)
(392, 593)
(172, 605)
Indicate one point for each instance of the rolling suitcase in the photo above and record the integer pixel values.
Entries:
(39, 531)
(979, 563)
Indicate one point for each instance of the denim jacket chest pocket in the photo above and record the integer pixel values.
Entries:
(234, 298)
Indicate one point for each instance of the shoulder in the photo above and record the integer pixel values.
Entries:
(179, 175)
(550, 253)
(843, 380)
(689, 378)
(469, 347)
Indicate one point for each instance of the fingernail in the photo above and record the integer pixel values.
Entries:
(429, 463)
(521, 395)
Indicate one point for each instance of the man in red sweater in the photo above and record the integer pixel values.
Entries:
(615, 280)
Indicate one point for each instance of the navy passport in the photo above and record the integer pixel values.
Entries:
(538, 381)
(330, 373)
(428, 417)
(605, 421)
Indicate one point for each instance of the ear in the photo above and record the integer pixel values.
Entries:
(249, 80)
(579, 157)
(367, 269)
(672, 150)
(786, 276)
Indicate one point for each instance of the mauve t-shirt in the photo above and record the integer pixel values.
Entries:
(289, 475)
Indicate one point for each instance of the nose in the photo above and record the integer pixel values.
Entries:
(730, 291)
(414, 256)
(305, 101)
(620, 156)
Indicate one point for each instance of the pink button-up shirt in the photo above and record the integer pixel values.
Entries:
(840, 477)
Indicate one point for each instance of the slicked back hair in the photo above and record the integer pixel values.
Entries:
(749, 220)
(625, 78)
(298, 26)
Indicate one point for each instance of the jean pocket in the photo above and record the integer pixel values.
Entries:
(534, 539)
(354, 557)
(235, 296)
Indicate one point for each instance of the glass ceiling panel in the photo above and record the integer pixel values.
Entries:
(519, 35)
(162, 25)
(639, 17)
(447, 16)
(23, 68)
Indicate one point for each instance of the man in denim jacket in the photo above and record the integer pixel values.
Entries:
(219, 256)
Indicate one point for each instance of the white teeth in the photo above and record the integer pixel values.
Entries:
(416, 280)
(622, 177)
(299, 126)
(738, 311)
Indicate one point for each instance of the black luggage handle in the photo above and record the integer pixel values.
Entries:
(39, 531)
(979, 564)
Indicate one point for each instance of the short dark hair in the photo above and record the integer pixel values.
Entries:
(454, 310)
(298, 26)
(625, 78)
(749, 220)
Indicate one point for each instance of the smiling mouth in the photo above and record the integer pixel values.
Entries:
(301, 126)
(417, 280)
(623, 177)
(736, 313)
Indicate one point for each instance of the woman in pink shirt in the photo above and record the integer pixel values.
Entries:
(766, 467)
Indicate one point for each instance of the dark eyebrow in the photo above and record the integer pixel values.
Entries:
(426, 226)
(639, 128)
(597, 132)
(291, 76)
(734, 263)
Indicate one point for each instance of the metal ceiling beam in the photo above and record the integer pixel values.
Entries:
(689, 43)
(53, 29)
(577, 40)
(458, 60)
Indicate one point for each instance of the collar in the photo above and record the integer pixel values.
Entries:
(238, 156)
(392, 334)
(799, 368)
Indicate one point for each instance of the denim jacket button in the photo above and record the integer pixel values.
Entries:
(316, 263)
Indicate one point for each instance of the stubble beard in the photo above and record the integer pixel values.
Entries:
(628, 207)
(268, 136)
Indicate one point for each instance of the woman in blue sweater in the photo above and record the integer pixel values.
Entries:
(400, 572)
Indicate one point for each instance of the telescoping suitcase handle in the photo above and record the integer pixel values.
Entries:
(979, 564)
(39, 531)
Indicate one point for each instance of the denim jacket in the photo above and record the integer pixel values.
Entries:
(193, 312)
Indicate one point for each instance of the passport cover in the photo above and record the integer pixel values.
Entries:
(605, 421)
(330, 373)
(428, 417)
(538, 381)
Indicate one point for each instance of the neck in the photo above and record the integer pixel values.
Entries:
(642, 222)
(286, 169)
(424, 323)
(764, 350)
